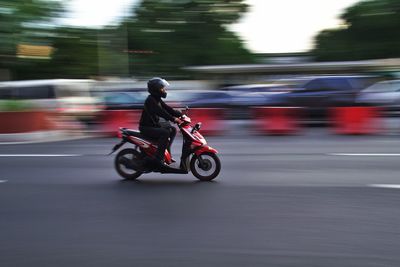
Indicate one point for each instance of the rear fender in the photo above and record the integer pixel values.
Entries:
(117, 146)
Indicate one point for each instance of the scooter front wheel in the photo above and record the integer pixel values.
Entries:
(205, 168)
(125, 163)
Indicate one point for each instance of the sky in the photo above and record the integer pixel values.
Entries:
(270, 26)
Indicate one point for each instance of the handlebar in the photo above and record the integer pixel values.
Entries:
(185, 120)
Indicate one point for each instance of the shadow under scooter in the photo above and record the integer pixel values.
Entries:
(148, 165)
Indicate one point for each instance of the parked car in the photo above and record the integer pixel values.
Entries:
(317, 93)
(251, 99)
(199, 98)
(123, 100)
(256, 88)
(211, 99)
(385, 94)
(113, 100)
(71, 97)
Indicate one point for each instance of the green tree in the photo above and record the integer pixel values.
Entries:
(75, 54)
(371, 31)
(164, 36)
(25, 22)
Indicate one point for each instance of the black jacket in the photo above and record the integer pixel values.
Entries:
(154, 108)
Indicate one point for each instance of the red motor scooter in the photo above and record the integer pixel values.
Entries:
(197, 156)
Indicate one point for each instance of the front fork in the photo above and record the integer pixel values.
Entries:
(185, 156)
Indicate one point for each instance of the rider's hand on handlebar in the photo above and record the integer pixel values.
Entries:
(178, 121)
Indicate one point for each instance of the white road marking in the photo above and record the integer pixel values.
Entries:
(3, 181)
(394, 186)
(366, 154)
(40, 155)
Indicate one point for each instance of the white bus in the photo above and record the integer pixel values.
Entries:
(72, 97)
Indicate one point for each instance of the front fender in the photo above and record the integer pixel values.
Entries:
(204, 149)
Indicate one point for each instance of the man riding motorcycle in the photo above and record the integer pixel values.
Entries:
(154, 108)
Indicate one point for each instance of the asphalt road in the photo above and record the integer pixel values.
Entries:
(310, 200)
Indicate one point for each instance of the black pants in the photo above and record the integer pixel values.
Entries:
(164, 136)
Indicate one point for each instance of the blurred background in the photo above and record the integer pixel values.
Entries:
(300, 97)
(74, 60)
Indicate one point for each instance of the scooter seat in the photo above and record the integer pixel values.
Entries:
(139, 135)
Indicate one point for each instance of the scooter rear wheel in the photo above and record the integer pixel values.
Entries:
(125, 163)
(209, 169)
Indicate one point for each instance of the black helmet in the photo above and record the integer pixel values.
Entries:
(154, 86)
